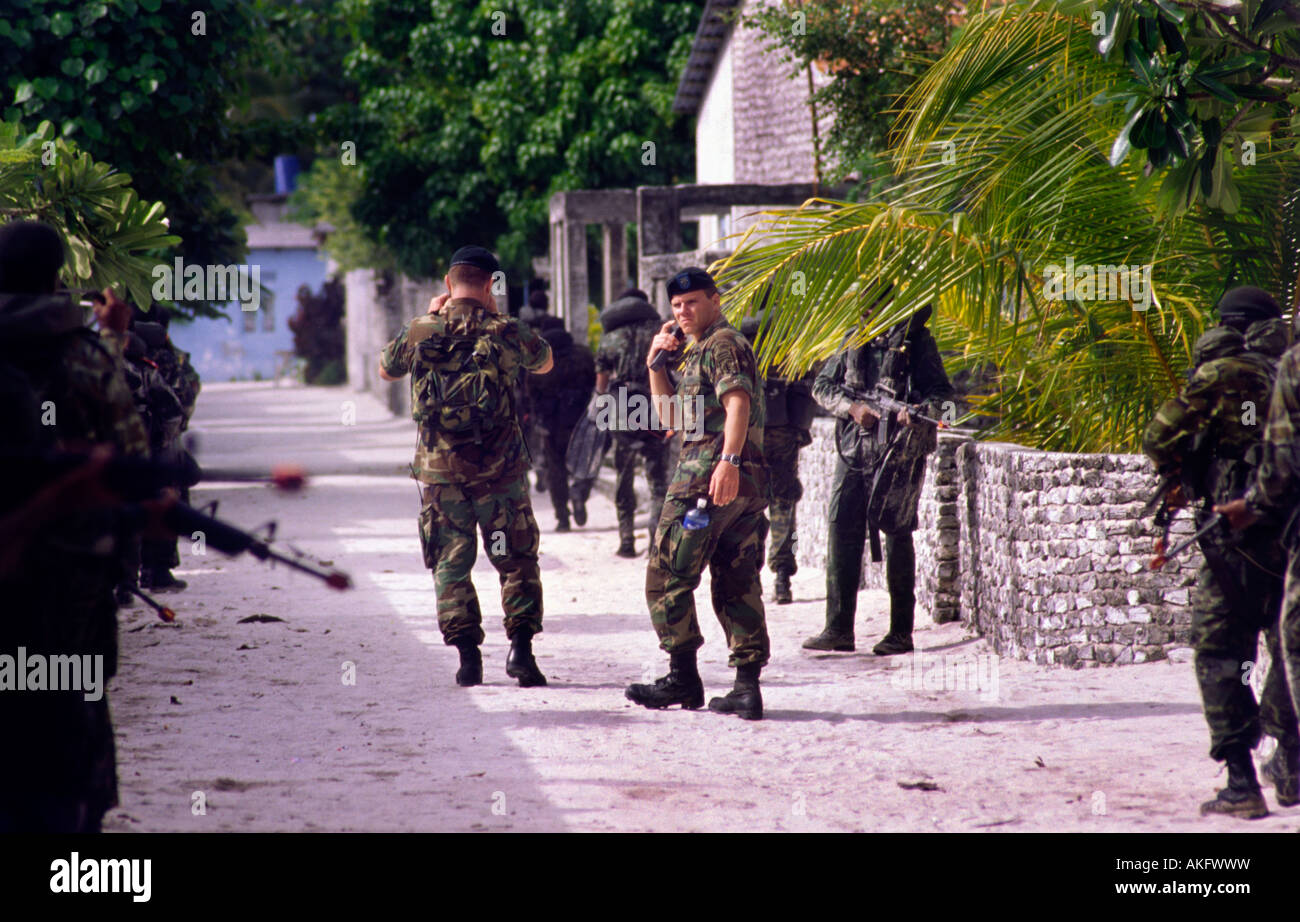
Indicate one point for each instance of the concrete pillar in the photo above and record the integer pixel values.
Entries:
(572, 301)
(614, 261)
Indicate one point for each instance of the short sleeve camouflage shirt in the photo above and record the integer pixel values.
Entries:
(719, 362)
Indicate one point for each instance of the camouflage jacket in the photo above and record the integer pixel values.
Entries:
(621, 355)
(852, 373)
(501, 454)
(1275, 491)
(719, 361)
(179, 375)
(72, 372)
(1210, 431)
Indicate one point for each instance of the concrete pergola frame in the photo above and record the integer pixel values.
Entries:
(658, 212)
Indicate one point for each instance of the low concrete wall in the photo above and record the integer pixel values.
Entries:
(1043, 553)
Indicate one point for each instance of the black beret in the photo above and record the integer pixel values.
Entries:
(477, 257)
(692, 279)
(1249, 303)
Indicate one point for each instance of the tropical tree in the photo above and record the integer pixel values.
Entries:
(108, 231)
(1004, 182)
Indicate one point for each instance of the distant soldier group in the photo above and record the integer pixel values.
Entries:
(480, 380)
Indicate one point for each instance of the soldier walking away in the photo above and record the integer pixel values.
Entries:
(1207, 445)
(786, 431)
(904, 362)
(629, 324)
(559, 399)
(466, 362)
(58, 598)
(721, 479)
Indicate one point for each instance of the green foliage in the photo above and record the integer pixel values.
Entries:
(463, 133)
(318, 334)
(875, 50)
(1205, 84)
(107, 230)
(134, 85)
(1002, 162)
(327, 193)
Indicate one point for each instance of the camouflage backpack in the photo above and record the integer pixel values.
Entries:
(462, 380)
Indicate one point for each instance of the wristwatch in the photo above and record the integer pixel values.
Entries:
(733, 460)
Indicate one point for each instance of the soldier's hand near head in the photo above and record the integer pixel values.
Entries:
(438, 302)
(664, 341)
(863, 415)
(113, 313)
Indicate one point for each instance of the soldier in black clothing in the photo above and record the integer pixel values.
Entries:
(559, 398)
(907, 359)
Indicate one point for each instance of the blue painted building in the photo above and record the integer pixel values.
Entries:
(248, 345)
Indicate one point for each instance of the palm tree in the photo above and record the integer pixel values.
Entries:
(1002, 156)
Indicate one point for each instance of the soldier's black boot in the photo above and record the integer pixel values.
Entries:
(579, 510)
(520, 663)
(1283, 772)
(1242, 797)
(161, 581)
(781, 589)
(681, 686)
(561, 524)
(902, 608)
(745, 700)
(471, 664)
(626, 540)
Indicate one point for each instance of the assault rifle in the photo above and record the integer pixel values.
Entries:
(133, 481)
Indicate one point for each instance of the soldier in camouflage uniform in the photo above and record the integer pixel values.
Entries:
(721, 404)
(59, 601)
(1272, 498)
(629, 324)
(789, 414)
(1208, 441)
(841, 388)
(179, 381)
(465, 363)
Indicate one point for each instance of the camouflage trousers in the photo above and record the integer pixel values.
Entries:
(732, 546)
(1226, 649)
(451, 515)
(1289, 628)
(628, 447)
(781, 446)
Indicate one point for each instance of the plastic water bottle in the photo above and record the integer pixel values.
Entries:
(698, 517)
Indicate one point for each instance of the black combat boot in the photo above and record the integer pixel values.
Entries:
(1283, 772)
(893, 644)
(471, 664)
(781, 589)
(520, 663)
(831, 639)
(1242, 797)
(681, 686)
(579, 511)
(626, 547)
(745, 700)
(562, 524)
(161, 581)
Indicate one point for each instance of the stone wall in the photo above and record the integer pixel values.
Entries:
(1043, 553)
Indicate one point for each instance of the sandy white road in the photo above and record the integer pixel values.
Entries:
(255, 721)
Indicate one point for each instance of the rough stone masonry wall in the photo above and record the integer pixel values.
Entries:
(1043, 553)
